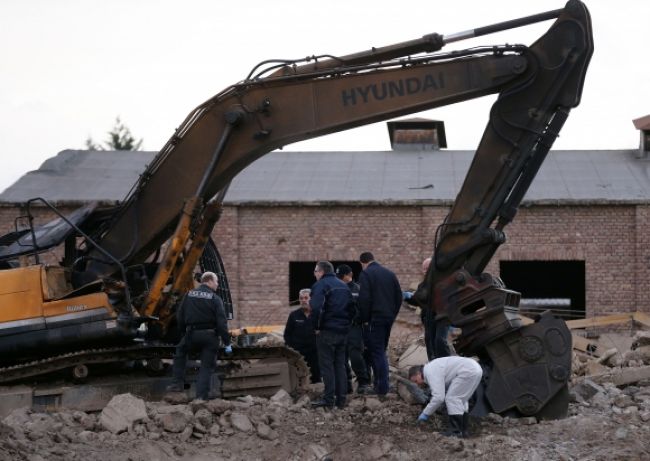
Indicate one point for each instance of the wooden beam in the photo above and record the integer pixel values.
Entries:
(642, 318)
(584, 345)
(599, 321)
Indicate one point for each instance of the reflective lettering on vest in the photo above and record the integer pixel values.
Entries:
(200, 294)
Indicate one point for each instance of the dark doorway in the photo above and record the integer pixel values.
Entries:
(301, 275)
(555, 285)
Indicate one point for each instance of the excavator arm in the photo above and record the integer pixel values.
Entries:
(285, 102)
(247, 120)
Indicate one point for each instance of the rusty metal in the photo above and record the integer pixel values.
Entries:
(174, 250)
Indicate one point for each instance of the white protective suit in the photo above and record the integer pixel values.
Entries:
(452, 380)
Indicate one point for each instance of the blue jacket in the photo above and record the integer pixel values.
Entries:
(331, 302)
(380, 296)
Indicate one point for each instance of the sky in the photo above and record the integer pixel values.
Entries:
(68, 68)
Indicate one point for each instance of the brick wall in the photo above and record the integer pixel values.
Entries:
(602, 236)
(610, 239)
(257, 244)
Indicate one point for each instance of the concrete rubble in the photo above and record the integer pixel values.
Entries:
(609, 418)
(605, 422)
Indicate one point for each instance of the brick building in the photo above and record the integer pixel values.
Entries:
(581, 234)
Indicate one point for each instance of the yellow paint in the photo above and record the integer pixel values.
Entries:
(21, 295)
(76, 304)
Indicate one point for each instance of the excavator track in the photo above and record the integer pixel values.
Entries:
(147, 351)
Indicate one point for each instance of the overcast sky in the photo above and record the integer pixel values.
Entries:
(68, 68)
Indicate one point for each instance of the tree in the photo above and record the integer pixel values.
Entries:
(119, 138)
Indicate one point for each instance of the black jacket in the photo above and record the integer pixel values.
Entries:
(380, 296)
(354, 305)
(299, 331)
(330, 304)
(203, 309)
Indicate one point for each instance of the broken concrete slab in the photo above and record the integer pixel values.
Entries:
(241, 422)
(587, 388)
(281, 398)
(121, 412)
(624, 376)
(265, 432)
(415, 354)
(174, 421)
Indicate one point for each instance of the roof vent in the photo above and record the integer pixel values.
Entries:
(417, 134)
(643, 125)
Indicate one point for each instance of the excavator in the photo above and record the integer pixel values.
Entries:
(114, 294)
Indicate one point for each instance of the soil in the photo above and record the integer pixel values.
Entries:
(611, 424)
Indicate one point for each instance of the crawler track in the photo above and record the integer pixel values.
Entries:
(145, 351)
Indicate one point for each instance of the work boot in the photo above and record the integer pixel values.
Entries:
(465, 426)
(455, 426)
(321, 403)
(365, 389)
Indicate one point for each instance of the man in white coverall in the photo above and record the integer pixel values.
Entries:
(452, 380)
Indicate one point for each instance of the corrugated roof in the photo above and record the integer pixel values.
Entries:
(578, 176)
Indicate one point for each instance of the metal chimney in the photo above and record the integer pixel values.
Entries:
(643, 125)
(417, 134)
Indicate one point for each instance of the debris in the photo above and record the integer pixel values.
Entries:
(121, 412)
(175, 422)
(241, 422)
(265, 432)
(586, 389)
(282, 398)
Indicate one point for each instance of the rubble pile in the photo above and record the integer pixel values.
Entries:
(609, 419)
(625, 364)
(605, 422)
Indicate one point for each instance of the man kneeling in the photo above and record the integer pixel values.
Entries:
(452, 380)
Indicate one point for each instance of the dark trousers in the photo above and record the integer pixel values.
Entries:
(376, 336)
(355, 354)
(429, 324)
(206, 343)
(310, 353)
(331, 358)
(440, 343)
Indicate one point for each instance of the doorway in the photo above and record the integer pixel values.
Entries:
(301, 275)
(555, 285)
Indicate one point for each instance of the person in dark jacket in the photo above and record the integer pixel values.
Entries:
(299, 334)
(380, 299)
(330, 304)
(355, 345)
(202, 318)
(435, 333)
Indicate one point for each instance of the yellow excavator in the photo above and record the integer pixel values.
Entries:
(114, 295)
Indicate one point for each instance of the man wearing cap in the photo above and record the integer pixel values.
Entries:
(355, 337)
(299, 334)
(201, 318)
(380, 298)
